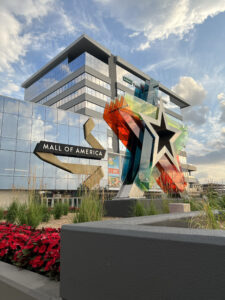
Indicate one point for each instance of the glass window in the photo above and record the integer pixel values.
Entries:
(62, 135)
(1, 103)
(20, 182)
(73, 184)
(59, 172)
(49, 183)
(50, 132)
(11, 106)
(36, 166)
(74, 138)
(37, 130)
(110, 142)
(1, 116)
(51, 115)
(22, 163)
(25, 109)
(6, 182)
(24, 128)
(62, 117)
(74, 119)
(9, 126)
(7, 160)
(8, 144)
(39, 112)
(61, 184)
(49, 170)
(23, 146)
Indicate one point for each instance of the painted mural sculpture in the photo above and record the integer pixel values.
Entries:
(153, 141)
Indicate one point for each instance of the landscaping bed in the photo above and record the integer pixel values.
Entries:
(37, 250)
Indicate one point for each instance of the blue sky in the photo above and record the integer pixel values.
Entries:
(181, 43)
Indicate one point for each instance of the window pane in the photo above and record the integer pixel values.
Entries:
(23, 146)
(37, 130)
(8, 144)
(22, 163)
(20, 182)
(36, 166)
(1, 117)
(62, 136)
(9, 127)
(7, 159)
(74, 138)
(6, 182)
(51, 115)
(11, 106)
(24, 128)
(50, 132)
(1, 103)
(38, 112)
(25, 109)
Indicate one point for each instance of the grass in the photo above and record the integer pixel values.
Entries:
(58, 210)
(12, 212)
(139, 209)
(1, 213)
(91, 208)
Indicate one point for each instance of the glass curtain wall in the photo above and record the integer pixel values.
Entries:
(61, 71)
(23, 125)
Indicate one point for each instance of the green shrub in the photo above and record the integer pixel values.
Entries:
(207, 219)
(1, 213)
(152, 210)
(58, 210)
(91, 209)
(12, 212)
(22, 214)
(65, 208)
(30, 214)
(46, 213)
(139, 209)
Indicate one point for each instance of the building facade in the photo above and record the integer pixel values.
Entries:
(59, 99)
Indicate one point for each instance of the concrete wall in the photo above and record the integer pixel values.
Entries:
(125, 259)
(8, 196)
(17, 284)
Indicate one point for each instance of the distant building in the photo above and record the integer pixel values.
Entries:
(216, 187)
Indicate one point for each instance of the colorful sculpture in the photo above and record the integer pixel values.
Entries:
(153, 141)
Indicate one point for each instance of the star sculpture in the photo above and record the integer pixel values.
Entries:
(164, 136)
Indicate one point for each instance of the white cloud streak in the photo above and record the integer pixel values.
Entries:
(158, 20)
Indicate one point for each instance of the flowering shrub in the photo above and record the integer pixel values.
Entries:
(35, 250)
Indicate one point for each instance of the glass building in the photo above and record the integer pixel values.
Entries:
(59, 98)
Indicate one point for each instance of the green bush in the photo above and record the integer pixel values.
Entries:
(1, 213)
(12, 212)
(30, 214)
(152, 210)
(91, 209)
(58, 210)
(139, 209)
(65, 208)
(46, 213)
(22, 214)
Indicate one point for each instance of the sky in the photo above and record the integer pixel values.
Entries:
(180, 43)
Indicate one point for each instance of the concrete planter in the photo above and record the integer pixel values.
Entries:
(17, 284)
(134, 259)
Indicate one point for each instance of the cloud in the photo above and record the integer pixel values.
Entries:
(190, 90)
(14, 16)
(195, 94)
(158, 20)
(221, 98)
(211, 173)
